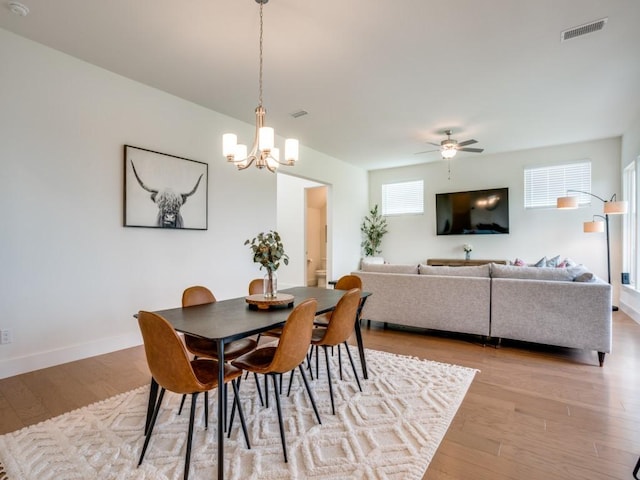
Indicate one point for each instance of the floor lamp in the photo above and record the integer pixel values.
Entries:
(611, 207)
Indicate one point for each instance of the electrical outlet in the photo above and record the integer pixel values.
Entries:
(5, 337)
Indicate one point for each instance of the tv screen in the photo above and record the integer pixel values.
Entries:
(473, 213)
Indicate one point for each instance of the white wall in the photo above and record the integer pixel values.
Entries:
(71, 276)
(630, 298)
(534, 233)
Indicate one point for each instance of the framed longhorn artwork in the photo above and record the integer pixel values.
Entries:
(164, 191)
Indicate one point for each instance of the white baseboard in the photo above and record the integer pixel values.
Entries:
(29, 363)
(629, 310)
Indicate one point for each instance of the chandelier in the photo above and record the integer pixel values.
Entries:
(263, 153)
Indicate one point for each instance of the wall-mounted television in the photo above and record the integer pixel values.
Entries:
(475, 212)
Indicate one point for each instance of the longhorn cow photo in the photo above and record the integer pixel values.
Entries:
(165, 178)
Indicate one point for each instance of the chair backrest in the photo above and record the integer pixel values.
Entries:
(197, 295)
(343, 318)
(256, 286)
(166, 355)
(348, 282)
(296, 337)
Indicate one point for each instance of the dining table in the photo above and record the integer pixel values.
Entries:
(228, 320)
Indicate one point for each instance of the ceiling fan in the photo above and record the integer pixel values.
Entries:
(449, 147)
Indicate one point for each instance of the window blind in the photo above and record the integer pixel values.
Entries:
(403, 198)
(543, 185)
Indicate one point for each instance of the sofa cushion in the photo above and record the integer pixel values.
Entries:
(473, 271)
(389, 268)
(531, 273)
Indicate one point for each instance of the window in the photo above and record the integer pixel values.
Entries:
(543, 185)
(403, 198)
(630, 232)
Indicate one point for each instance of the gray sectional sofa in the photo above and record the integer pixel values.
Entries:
(567, 307)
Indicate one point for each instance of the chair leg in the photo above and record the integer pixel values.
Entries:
(255, 377)
(236, 401)
(339, 360)
(326, 357)
(306, 385)
(281, 425)
(192, 414)
(266, 391)
(151, 425)
(153, 397)
(636, 470)
(184, 397)
(206, 410)
(290, 381)
(353, 365)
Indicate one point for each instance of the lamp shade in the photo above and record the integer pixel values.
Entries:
(615, 208)
(567, 202)
(594, 227)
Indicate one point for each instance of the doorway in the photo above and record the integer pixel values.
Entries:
(316, 236)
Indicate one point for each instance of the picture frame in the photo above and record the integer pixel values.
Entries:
(164, 191)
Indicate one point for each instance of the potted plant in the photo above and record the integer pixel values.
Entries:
(268, 251)
(374, 226)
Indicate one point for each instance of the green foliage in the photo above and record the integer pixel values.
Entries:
(373, 227)
(268, 250)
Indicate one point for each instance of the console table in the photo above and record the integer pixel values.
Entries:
(460, 262)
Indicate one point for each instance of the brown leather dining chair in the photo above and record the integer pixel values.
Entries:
(338, 330)
(201, 347)
(256, 286)
(171, 368)
(346, 282)
(288, 354)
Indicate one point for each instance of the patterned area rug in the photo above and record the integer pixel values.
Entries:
(391, 430)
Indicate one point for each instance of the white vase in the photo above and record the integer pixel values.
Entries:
(270, 284)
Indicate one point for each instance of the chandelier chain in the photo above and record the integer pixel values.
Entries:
(260, 80)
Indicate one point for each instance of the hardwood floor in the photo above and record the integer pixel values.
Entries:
(532, 412)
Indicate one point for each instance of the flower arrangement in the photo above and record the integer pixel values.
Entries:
(468, 248)
(268, 250)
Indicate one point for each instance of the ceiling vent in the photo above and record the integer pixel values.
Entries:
(299, 113)
(583, 29)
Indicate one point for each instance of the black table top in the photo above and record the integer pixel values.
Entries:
(233, 319)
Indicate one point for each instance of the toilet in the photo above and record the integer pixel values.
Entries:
(321, 275)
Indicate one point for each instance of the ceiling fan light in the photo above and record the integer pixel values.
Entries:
(448, 153)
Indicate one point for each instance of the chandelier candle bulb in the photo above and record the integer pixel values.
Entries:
(266, 139)
(229, 145)
(291, 150)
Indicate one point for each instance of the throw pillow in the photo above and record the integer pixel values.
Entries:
(553, 262)
(518, 262)
(541, 263)
(585, 277)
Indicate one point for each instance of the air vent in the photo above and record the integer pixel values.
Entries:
(583, 29)
(299, 113)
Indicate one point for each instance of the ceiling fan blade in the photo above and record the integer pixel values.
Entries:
(467, 142)
(426, 151)
(434, 144)
(475, 150)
